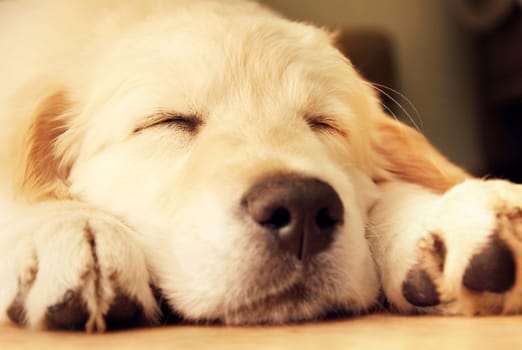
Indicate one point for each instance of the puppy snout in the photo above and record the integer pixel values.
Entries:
(302, 213)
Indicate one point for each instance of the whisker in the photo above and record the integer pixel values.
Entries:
(393, 115)
(380, 88)
(404, 97)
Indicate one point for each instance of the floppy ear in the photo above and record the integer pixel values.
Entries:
(405, 154)
(38, 174)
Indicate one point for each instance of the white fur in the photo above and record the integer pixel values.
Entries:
(46, 253)
(465, 218)
(122, 61)
(163, 205)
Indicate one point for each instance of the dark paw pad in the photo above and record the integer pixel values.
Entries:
(419, 289)
(125, 312)
(16, 311)
(71, 313)
(491, 270)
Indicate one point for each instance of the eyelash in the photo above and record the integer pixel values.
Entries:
(188, 124)
(322, 124)
(191, 124)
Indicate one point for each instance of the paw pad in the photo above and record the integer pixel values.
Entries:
(70, 313)
(419, 289)
(491, 270)
(16, 311)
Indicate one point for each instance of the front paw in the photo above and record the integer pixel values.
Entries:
(468, 259)
(73, 268)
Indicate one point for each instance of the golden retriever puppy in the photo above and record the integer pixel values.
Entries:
(232, 159)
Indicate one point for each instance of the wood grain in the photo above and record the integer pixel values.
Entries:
(367, 332)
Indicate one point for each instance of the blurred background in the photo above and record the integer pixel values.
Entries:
(451, 67)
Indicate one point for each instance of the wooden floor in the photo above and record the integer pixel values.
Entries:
(368, 332)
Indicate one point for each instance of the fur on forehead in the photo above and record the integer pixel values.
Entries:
(256, 60)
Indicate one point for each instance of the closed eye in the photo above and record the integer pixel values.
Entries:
(324, 124)
(185, 123)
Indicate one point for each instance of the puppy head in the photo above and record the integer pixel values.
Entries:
(191, 121)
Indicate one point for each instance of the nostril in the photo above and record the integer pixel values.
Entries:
(300, 214)
(325, 220)
(280, 218)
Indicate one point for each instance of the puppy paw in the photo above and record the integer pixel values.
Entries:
(468, 259)
(73, 269)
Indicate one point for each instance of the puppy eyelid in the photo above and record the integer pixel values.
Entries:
(178, 121)
(323, 124)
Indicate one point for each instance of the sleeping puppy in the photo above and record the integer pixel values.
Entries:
(235, 161)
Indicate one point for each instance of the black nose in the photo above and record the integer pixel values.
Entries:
(302, 213)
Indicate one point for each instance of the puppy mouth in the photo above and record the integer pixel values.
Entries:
(272, 309)
(305, 295)
(288, 306)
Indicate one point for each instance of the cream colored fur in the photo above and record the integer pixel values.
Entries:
(84, 158)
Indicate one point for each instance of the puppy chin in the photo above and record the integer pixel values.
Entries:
(299, 303)
(311, 297)
(295, 304)
(298, 293)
